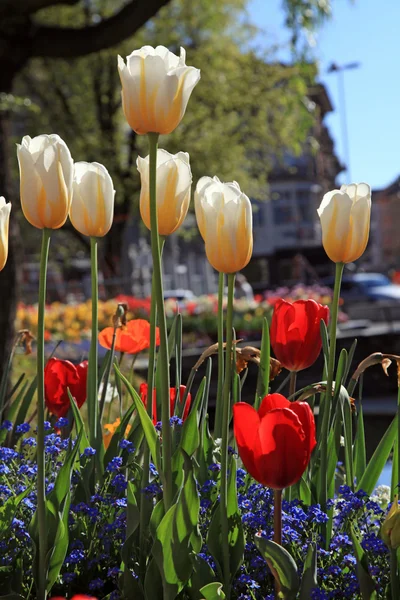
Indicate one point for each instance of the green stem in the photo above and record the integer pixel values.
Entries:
(92, 400)
(277, 528)
(394, 575)
(323, 492)
(292, 384)
(397, 445)
(163, 352)
(40, 455)
(225, 435)
(145, 504)
(220, 328)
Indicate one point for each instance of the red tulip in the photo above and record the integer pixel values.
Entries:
(130, 338)
(59, 375)
(275, 442)
(76, 597)
(172, 398)
(295, 332)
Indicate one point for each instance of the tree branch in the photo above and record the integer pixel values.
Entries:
(69, 42)
(32, 6)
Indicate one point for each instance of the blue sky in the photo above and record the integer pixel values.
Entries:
(365, 31)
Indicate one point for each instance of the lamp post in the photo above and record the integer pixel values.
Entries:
(339, 69)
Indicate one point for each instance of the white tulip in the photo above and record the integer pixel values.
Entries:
(345, 219)
(174, 179)
(156, 87)
(45, 167)
(92, 207)
(224, 218)
(5, 210)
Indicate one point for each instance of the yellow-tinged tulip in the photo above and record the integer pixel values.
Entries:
(46, 168)
(156, 87)
(345, 217)
(92, 207)
(5, 210)
(225, 220)
(174, 180)
(390, 530)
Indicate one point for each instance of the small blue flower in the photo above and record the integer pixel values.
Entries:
(62, 422)
(115, 464)
(6, 425)
(23, 428)
(89, 451)
(126, 445)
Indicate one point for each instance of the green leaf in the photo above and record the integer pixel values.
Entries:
(12, 411)
(174, 536)
(132, 523)
(367, 584)
(79, 424)
(325, 341)
(26, 402)
(305, 492)
(378, 460)
(201, 576)
(60, 546)
(213, 591)
(360, 454)
(264, 368)
(9, 508)
(348, 436)
(147, 424)
(309, 578)
(349, 361)
(119, 434)
(281, 564)
(235, 533)
(153, 582)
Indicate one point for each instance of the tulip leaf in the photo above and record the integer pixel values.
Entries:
(235, 532)
(26, 403)
(153, 586)
(132, 523)
(360, 455)
(378, 460)
(175, 535)
(349, 360)
(325, 342)
(178, 355)
(213, 591)
(79, 424)
(309, 577)
(60, 544)
(348, 436)
(119, 434)
(281, 564)
(304, 491)
(202, 575)
(12, 411)
(147, 424)
(9, 508)
(264, 367)
(367, 584)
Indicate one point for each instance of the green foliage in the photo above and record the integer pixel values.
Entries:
(282, 566)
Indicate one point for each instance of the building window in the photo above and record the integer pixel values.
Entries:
(282, 212)
(258, 213)
(304, 205)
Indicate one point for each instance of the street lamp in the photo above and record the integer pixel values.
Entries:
(339, 69)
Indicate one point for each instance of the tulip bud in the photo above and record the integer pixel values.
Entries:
(390, 530)
(156, 87)
(174, 180)
(5, 210)
(345, 217)
(92, 207)
(225, 220)
(46, 169)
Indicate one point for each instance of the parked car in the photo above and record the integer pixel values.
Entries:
(366, 287)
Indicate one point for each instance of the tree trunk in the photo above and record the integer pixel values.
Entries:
(9, 276)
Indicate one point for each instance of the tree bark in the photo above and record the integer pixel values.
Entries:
(8, 277)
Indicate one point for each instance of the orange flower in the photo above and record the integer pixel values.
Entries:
(132, 338)
(110, 429)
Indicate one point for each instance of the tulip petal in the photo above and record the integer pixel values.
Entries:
(273, 401)
(306, 418)
(245, 426)
(283, 447)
